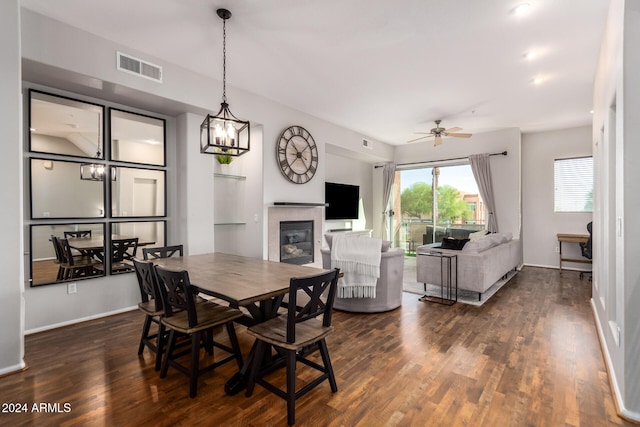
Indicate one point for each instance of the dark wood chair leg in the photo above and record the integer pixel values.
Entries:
(160, 345)
(291, 387)
(235, 345)
(258, 355)
(145, 333)
(195, 358)
(167, 354)
(324, 352)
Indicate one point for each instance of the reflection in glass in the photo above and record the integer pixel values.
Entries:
(65, 126)
(136, 138)
(48, 265)
(57, 191)
(137, 192)
(128, 239)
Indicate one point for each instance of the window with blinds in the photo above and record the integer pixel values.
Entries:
(573, 184)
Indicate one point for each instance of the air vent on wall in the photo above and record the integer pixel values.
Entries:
(366, 144)
(136, 66)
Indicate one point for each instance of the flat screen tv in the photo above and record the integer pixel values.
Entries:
(342, 201)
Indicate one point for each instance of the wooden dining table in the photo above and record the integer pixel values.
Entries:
(94, 246)
(255, 284)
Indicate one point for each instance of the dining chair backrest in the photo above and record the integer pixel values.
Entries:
(122, 249)
(58, 249)
(67, 255)
(176, 293)
(314, 287)
(148, 282)
(162, 252)
(79, 233)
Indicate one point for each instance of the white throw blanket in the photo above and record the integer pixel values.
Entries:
(358, 258)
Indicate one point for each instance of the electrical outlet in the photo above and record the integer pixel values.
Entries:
(72, 288)
(557, 249)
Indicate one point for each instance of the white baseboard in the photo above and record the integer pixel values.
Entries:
(82, 319)
(629, 415)
(555, 267)
(15, 368)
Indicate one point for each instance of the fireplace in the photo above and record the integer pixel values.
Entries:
(296, 242)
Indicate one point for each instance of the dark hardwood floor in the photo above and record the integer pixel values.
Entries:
(528, 357)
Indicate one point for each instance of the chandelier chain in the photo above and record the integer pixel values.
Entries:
(224, 60)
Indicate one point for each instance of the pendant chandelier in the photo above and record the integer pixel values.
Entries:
(224, 134)
(94, 171)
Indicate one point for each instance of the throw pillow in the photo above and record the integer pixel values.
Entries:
(453, 244)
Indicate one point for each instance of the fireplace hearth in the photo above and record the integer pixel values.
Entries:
(296, 242)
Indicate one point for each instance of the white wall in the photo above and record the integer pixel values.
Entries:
(347, 170)
(69, 59)
(616, 129)
(505, 170)
(540, 224)
(11, 299)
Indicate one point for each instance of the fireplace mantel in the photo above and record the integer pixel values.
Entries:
(299, 204)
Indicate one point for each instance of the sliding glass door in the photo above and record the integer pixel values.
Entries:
(431, 203)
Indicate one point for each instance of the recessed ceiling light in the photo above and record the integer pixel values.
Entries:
(521, 9)
(531, 55)
(591, 112)
(537, 80)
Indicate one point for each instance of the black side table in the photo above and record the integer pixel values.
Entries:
(448, 281)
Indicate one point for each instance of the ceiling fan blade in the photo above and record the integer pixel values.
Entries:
(422, 137)
(438, 140)
(425, 133)
(460, 135)
(452, 130)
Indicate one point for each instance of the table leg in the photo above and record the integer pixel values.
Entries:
(265, 311)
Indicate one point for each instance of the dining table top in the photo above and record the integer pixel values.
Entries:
(240, 280)
(97, 242)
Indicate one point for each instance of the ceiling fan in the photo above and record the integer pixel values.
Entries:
(439, 132)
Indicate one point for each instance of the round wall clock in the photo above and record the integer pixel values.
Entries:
(297, 155)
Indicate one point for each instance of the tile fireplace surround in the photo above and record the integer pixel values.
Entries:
(278, 214)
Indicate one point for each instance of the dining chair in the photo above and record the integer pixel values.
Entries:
(183, 315)
(162, 252)
(77, 234)
(122, 253)
(75, 266)
(297, 335)
(151, 306)
(59, 257)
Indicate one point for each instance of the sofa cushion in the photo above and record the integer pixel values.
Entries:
(454, 244)
(479, 245)
(478, 235)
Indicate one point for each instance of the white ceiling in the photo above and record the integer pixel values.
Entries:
(383, 68)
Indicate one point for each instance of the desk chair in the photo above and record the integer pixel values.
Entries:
(151, 306)
(182, 315)
(296, 335)
(586, 248)
(162, 252)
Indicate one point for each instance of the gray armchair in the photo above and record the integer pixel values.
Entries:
(388, 288)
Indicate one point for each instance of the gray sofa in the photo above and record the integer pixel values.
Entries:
(388, 287)
(481, 263)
